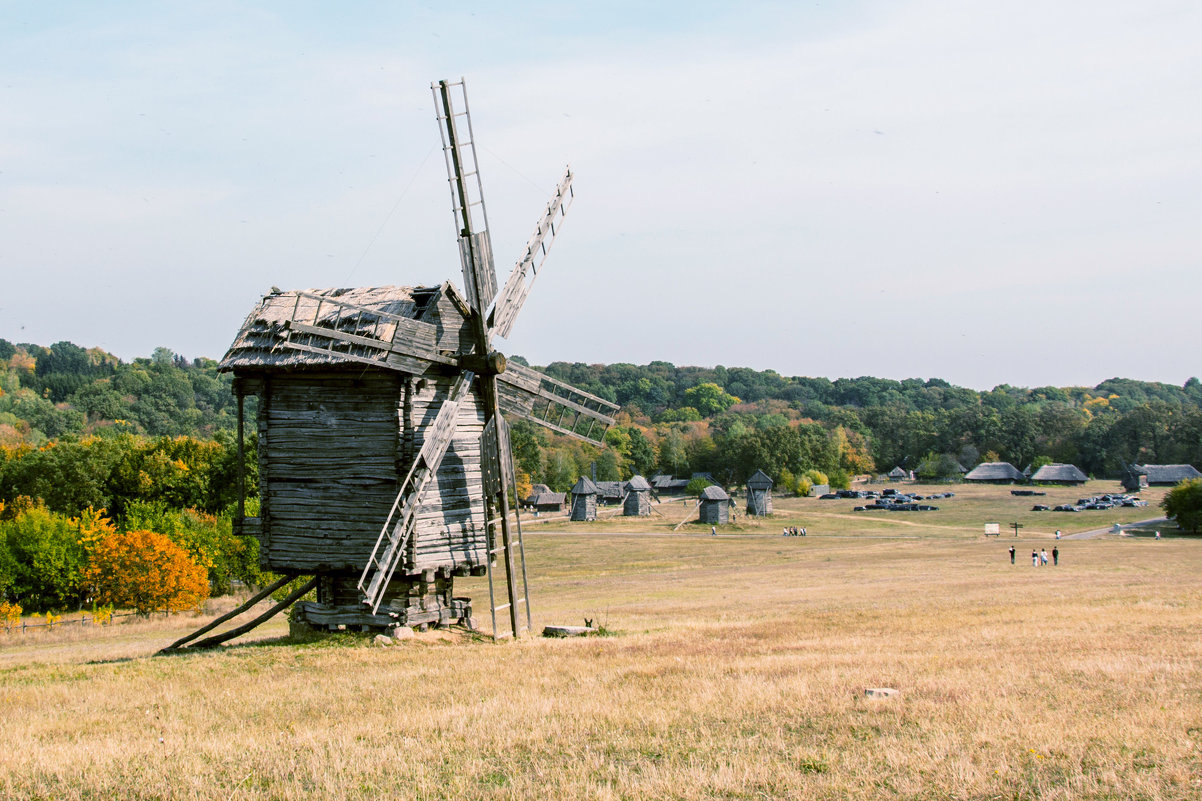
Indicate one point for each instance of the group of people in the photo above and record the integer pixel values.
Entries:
(1039, 558)
(793, 531)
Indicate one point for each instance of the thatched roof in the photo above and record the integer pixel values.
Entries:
(994, 471)
(584, 487)
(537, 489)
(259, 341)
(638, 484)
(714, 493)
(610, 490)
(897, 472)
(760, 480)
(1167, 473)
(664, 482)
(547, 499)
(1059, 472)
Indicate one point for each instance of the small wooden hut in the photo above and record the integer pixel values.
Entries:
(638, 498)
(715, 505)
(897, 474)
(584, 500)
(759, 494)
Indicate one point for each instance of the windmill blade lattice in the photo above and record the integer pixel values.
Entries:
(513, 295)
(467, 193)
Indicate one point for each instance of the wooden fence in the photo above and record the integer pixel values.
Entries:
(24, 626)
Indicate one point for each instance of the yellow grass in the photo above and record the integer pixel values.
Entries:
(736, 670)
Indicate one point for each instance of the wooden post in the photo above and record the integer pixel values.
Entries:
(241, 458)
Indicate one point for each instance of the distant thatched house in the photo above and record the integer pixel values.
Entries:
(610, 492)
(715, 505)
(667, 485)
(994, 473)
(638, 498)
(584, 500)
(547, 502)
(897, 474)
(1137, 476)
(759, 494)
(1065, 474)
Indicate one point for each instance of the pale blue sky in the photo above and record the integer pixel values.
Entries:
(984, 192)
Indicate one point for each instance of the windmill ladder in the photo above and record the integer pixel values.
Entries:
(517, 597)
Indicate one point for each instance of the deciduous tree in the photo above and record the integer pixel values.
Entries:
(1184, 504)
(146, 572)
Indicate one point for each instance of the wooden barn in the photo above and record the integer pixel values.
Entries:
(584, 500)
(610, 492)
(897, 474)
(667, 485)
(638, 498)
(548, 502)
(715, 506)
(1066, 475)
(1164, 475)
(759, 494)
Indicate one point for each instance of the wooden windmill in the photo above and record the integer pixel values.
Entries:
(384, 458)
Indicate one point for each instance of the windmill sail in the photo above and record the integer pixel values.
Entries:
(467, 194)
(513, 295)
(554, 404)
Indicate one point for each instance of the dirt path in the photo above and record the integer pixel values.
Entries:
(1097, 532)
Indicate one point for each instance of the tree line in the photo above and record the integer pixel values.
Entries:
(83, 431)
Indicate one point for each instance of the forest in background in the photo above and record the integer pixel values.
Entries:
(152, 443)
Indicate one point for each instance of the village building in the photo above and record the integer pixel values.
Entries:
(897, 474)
(715, 506)
(994, 473)
(1138, 476)
(547, 502)
(584, 500)
(610, 492)
(668, 485)
(1064, 474)
(638, 498)
(759, 494)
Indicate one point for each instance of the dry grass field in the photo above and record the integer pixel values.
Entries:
(736, 668)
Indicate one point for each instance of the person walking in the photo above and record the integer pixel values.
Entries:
(1055, 556)
(1043, 556)
(1057, 533)
(713, 531)
(1011, 554)
(1158, 535)
(1034, 558)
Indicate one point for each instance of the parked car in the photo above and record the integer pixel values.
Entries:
(1065, 507)
(830, 496)
(1040, 507)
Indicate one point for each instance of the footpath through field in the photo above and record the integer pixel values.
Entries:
(1097, 532)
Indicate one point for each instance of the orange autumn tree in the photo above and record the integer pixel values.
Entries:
(147, 572)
